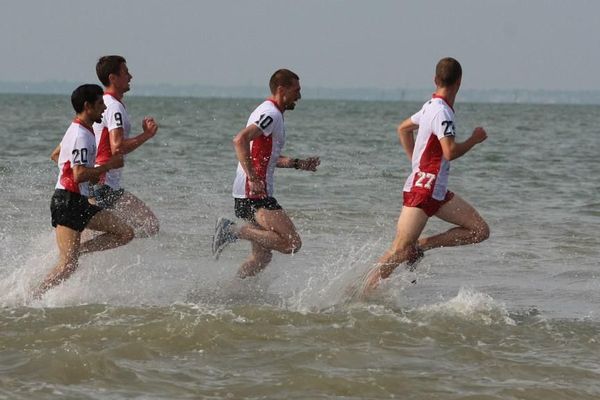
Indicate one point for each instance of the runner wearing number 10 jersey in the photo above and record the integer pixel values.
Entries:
(426, 189)
(258, 148)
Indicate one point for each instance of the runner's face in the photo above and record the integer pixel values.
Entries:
(291, 95)
(97, 109)
(122, 79)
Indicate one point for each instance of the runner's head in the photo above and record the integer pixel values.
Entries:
(285, 86)
(448, 72)
(88, 98)
(112, 71)
(89, 93)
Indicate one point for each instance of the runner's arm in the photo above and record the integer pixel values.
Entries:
(307, 164)
(453, 150)
(406, 136)
(118, 143)
(241, 143)
(81, 173)
(55, 154)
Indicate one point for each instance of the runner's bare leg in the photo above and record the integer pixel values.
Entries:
(273, 230)
(116, 232)
(411, 223)
(68, 249)
(137, 214)
(471, 227)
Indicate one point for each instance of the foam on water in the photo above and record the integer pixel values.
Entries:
(471, 305)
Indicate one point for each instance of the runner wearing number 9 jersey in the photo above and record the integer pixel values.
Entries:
(113, 137)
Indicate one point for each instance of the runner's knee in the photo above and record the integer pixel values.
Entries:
(293, 245)
(149, 228)
(481, 232)
(127, 234)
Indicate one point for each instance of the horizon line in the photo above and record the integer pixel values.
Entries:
(540, 96)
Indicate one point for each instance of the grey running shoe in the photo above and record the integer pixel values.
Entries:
(411, 265)
(223, 236)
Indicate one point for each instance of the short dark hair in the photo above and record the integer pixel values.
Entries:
(107, 65)
(89, 92)
(447, 72)
(282, 77)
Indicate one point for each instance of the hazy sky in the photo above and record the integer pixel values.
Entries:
(502, 44)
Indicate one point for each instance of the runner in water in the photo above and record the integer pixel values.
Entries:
(258, 148)
(113, 137)
(70, 208)
(425, 191)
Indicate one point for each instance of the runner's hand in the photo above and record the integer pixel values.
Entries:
(149, 126)
(479, 134)
(309, 164)
(257, 188)
(116, 161)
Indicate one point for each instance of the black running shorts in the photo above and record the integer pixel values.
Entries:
(71, 210)
(105, 196)
(246, 208)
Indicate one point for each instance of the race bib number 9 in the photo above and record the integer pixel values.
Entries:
(119, 119)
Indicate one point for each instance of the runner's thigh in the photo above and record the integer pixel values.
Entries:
(277, 221)
(458, 212)
(107, 221)
(129, 203)
(68, 240)
(411, 223)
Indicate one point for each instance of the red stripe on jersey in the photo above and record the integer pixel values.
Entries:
(430, 162)
(86, 126)
(103, 153)
(67, 180)
(114, 96)
(260, 155)
(281, 109)
(437, 96)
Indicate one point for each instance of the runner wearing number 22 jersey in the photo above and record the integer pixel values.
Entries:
(426, 189)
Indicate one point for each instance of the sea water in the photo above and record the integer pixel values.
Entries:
(515, 317)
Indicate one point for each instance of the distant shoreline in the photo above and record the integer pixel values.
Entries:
(518, 96)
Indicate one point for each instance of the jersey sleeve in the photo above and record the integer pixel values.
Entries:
(443, 125)
(267, 122)
(416, 117)
(114, 116)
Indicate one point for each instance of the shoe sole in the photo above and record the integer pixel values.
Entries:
(216, 235)
(217, 250)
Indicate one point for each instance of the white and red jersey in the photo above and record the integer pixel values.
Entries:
(115, 116)
(77, 147)
(430, 169)
(264, 150)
